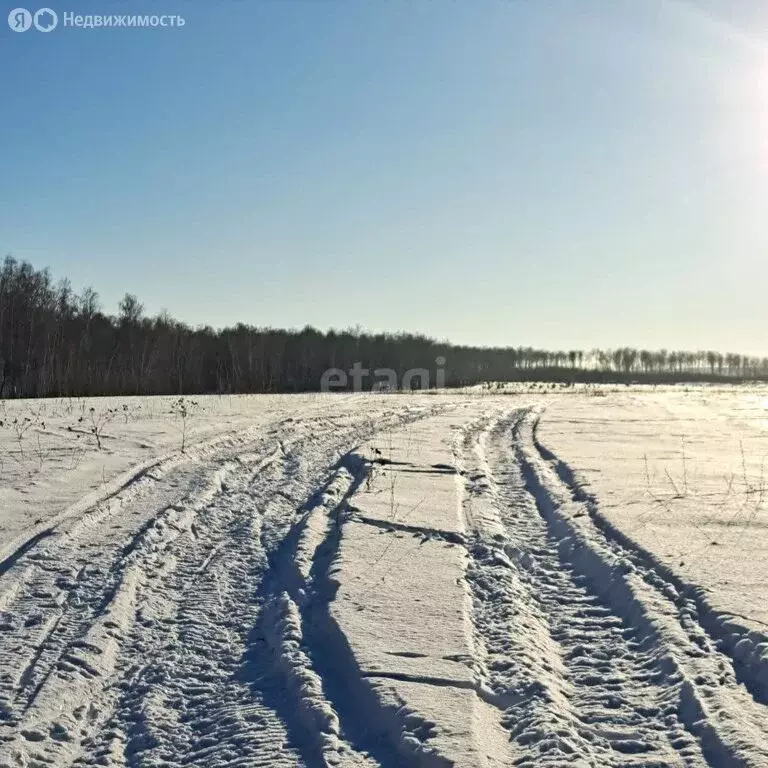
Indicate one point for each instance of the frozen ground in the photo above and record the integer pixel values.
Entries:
(541, 577)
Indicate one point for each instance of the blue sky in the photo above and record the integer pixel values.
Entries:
(555, 173)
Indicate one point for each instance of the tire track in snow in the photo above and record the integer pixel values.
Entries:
(588, 677)
(73, 594)
(747, 649)
(52, 576)
(149, 652)
(237, 643)
(725, 713)
(291, 628)
(186, 704)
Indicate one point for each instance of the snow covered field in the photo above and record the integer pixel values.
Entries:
(484, 578)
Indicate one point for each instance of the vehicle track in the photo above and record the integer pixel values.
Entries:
(588, 662)
(187, 622)
(153, 645)
(710, 630)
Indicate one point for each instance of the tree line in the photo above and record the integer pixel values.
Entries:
(55, 342)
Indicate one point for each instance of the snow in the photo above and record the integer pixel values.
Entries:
(685, 475)
(515, 576)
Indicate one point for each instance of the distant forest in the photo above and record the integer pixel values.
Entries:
(54, 342)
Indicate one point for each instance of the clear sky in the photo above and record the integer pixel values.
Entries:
(550, 172)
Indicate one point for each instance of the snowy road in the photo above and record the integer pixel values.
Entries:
(624, 671)
(419, 584)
